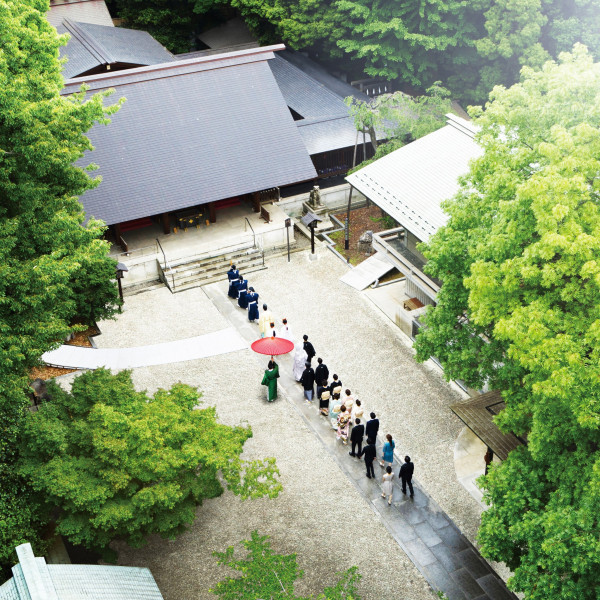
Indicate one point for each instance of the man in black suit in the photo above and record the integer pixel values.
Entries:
(321, 373)
(406, 473)
(356, 437)
(370, 454)
(308, 382)
(372, 428)
(308, 348)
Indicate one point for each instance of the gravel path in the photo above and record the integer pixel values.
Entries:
(376, 361)
(319, 515)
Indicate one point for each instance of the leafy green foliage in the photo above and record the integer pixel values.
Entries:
(171, 22)
(47, 255)
(267, 575)
(117, 463)
(519, 310)
(406, 40)
(20, 519)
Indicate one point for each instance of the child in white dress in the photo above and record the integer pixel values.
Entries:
(387, 489)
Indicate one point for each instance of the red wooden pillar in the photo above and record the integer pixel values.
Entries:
(166, 222)
(256, 202)
(212, 213)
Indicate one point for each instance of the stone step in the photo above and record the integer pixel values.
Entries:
(208, 257)
(218, 263)
(212, 279)
(220, 267)
(148, 286)
(220, 273)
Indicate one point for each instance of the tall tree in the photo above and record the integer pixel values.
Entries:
(115, 463)
(46, 253)
(519, 310)
(407, 40)
(266, 574)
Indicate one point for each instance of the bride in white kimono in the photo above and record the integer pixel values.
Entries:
(300, 358)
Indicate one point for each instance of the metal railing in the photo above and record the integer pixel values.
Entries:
(167, 267)
(253, 234)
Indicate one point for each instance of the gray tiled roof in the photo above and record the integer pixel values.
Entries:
(305, 95)
(318, 73)
(410, 183)
(326, 125)
(92, 46)
(328, 133)
(85, 11)
(33, 579)
(192, 132)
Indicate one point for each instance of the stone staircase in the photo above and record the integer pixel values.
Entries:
(208, 268)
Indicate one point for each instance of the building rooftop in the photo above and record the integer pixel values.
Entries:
(411, 183)
(33, 579)
(82, 11)
(94, 47)
(191, 132)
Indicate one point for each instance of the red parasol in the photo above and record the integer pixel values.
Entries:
(272, 346)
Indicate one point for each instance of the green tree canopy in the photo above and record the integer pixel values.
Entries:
(270, 576)
(47, 256)
(519, 310)
(407, 40)
(118, 464)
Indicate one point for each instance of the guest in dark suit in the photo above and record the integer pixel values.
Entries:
(308, 382)
(321, 377)
(372, 428)
(406, 473)
(370, 454)
(356, 437)
(308, 348)
(321, 373)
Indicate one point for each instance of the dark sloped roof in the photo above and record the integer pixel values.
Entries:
(306, 95)
(326, 124)
(192, 132)
(328, 133)
(318, 73)
(92, 46)
(478, 413)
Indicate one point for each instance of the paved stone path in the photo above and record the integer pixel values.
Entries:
(211, 344)
(444, 556)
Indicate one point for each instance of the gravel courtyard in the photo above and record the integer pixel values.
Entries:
(319, 514)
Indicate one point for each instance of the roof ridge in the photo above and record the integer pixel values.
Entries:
(461, 125)
(171, 69)
(95, 48)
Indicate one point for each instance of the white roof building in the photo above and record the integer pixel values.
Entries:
(33, 579)
(410, 183)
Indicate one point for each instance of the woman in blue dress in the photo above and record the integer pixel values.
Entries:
(388, 451)
(252, 299)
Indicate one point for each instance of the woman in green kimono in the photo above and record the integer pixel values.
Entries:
(270, 380)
